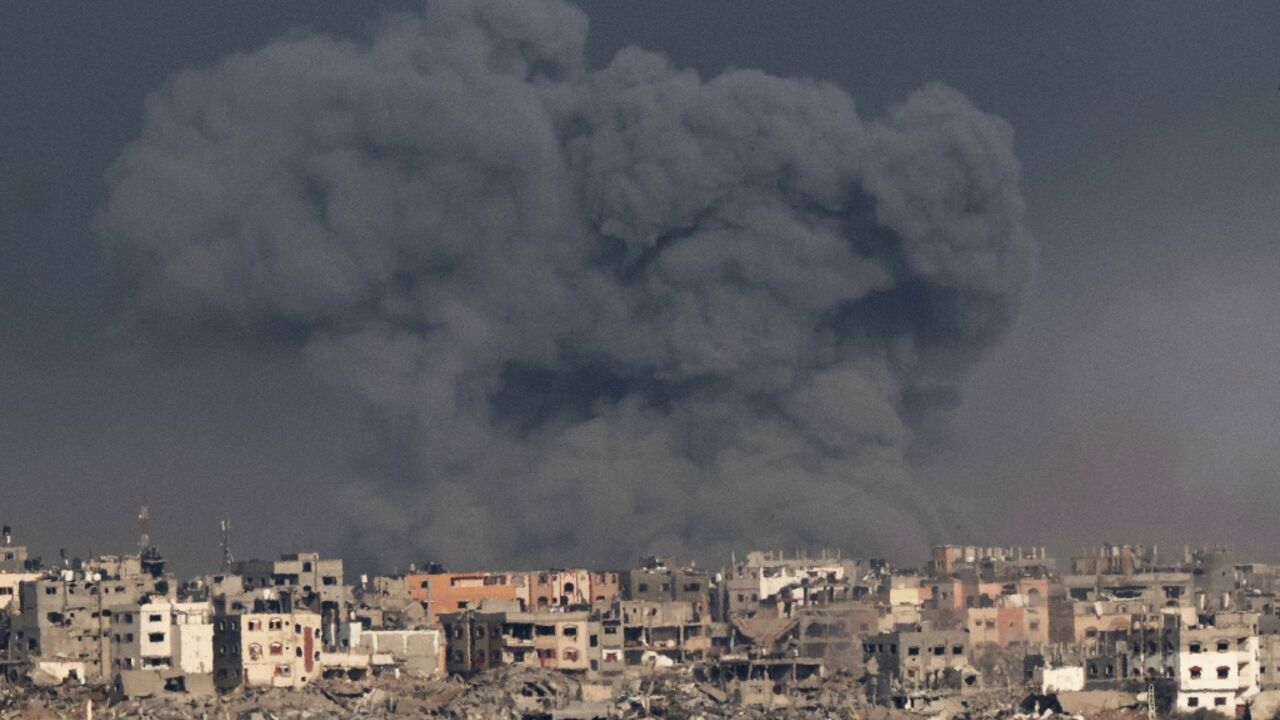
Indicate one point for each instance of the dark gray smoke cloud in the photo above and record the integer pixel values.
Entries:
(593, 312)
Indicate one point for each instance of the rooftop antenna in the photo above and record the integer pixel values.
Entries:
(148, 554)
(144, 529)
(227, 559)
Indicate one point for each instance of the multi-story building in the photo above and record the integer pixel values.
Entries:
(477, 640)
(659, 580)
(163, 635)
(61, 618)
(762, 575)
(918, 658)
(266, 649)
(1215, 660)
(445, 593)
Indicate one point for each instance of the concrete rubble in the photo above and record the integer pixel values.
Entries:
(521, 694)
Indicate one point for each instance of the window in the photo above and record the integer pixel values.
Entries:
(277, 648)
(255, 625)
(155, 637)
(480, 631)
(1224, 646)
(1224, 672)
(51, 590)
(570, 631)
(1219, 701)
(595, 640)
(957, 649)
(913, 651)
(255, 651)
(1194, 648)
(458, 656)
(939, 650)
(642, 587)
(544, 630)
(275, 624)
(692, 587)
(1195, 672)
(329, 580)
(571, 654)
(1034, 625)
(1193, 701)
(306, 567)
(155, 618)
(297, 628)
(1091, 633)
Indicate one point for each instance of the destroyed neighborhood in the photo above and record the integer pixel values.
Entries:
(1121, 630)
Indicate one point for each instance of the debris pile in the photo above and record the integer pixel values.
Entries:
(519, 694)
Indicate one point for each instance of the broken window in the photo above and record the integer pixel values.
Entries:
(571, 654)
(255, 651)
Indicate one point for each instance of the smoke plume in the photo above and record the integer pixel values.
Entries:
(593, 312)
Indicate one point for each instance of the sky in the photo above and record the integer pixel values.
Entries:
(1132, 396)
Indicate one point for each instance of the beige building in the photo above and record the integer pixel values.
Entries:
(479, 640)
(266, 649)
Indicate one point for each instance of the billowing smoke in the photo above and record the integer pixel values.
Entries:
(593, 312)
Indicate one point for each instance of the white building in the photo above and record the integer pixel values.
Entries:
(162, 634)
(1214, 659)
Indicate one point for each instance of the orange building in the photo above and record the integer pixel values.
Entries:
(445, 593)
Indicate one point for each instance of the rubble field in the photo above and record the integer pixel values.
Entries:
(516, 694)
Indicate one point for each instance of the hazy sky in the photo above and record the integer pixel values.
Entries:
(1135, 397)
